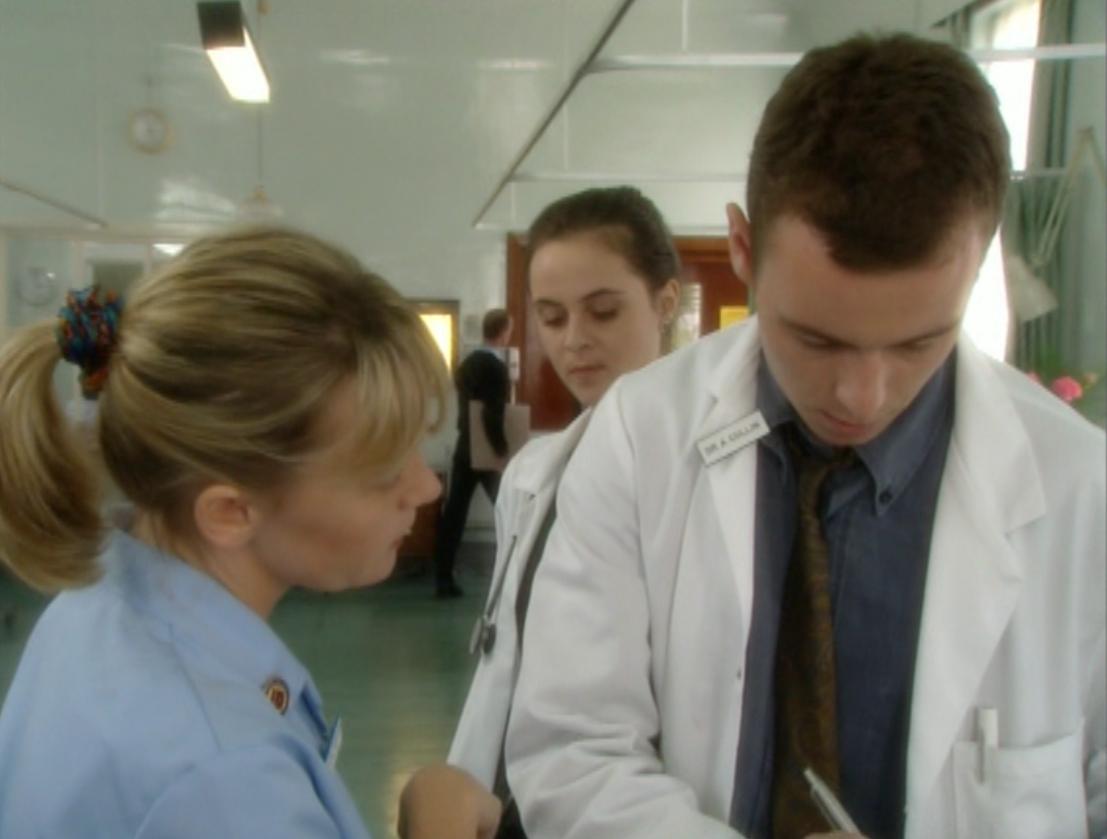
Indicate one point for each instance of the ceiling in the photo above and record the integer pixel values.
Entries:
(392, 121)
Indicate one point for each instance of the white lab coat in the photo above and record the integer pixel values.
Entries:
(526, 493)
(629, 700)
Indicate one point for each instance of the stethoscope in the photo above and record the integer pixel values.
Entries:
(484, 632)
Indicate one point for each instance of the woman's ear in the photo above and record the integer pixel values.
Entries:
(667, 300)
(225, 515)
(738, 241)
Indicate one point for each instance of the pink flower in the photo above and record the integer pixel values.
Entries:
(1067, 388)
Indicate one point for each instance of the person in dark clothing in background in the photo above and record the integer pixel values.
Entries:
(483, 377)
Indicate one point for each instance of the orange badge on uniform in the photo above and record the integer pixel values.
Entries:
(276, 691)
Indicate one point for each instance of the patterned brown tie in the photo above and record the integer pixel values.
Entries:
(806, 713)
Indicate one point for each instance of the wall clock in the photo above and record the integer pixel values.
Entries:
(37, 286)
(149, 131)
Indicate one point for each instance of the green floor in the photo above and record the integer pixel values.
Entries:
(391, 660)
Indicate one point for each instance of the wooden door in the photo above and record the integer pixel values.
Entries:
(706, 263)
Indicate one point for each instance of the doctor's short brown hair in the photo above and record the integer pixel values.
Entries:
(883, 144)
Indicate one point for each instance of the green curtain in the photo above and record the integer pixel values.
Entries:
(1038, 343)
(1049, 103)
(1028, 204)
(958, 27)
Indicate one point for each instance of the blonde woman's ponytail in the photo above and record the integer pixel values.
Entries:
(221, 368)
(50, 523)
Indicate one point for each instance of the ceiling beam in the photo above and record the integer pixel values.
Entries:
(567, 91)
(53, 202)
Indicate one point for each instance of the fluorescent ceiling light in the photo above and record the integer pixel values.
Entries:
(226, 38)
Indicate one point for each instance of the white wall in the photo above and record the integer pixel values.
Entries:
(390, 121)
(387, 120)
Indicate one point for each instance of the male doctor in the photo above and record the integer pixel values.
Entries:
(838, 537)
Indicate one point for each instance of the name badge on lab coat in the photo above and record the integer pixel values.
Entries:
(732, 438)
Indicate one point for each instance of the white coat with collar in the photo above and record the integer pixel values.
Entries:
(629, 701)
(526, 493)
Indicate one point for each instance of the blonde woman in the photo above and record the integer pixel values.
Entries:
(262, 398)
(603, 280)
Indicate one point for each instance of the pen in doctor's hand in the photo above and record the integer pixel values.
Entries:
(829, 804)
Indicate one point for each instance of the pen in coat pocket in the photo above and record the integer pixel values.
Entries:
(987, 736)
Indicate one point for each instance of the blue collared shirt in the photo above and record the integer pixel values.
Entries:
(138, 710)
(877, 517)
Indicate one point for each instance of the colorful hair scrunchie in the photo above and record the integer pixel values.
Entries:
(86, 334)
